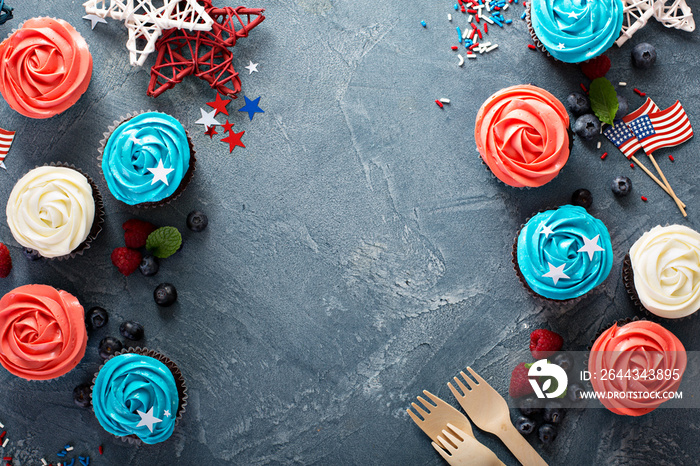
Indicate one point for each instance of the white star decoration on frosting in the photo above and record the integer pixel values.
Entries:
(573, 14)
(555, 273)
(148, 419)
(146, 21)
(207, 119)
(545, 230)
(252, 67)
(160, 173)
(590, 246)
(166, 413)
(560, 46)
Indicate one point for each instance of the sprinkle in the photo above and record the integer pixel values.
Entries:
(456, 7)
(479, 32)
(523, 15)
(72, 462)
(43, 461)
(622, 84)
(644, 199)
(7, 458)
(487, 19)
(449, 17)
(509, 21)
(2, 425)
(454, 47)
(531, 47)
(602, 157)
(423, 23)
(461, 60)
(68, 448)
(598, 147)
(459, 34)
(584, 88)
(642, 94)
(3, 434)
(492, 47)
(100, 449)
(471, 55)
(470, 18)
(671, 158)
(631, 165)
(439, 104)
(61, 454)
(445, 100)
(486, 28)
(5, 442)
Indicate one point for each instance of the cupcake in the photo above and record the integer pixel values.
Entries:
(635, 365)
(662, 271)
(574, 31)
(147, 160)
(42, 332)
(139, 395)
(563, 253)
(45, 66)
(522, 134)
(55, 210)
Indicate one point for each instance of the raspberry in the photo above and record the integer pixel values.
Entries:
(596, 68)
(136, 232)
(519, 384)
(126, 260)
(544, 343)
(5, 261)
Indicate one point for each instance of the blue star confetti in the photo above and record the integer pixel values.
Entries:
(252, 107)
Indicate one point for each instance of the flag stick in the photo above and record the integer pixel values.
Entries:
(656, 180)
(670, 189)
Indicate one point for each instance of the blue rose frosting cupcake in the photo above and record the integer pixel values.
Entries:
(139, 394)
(574, 31)
(147, 160)
(563, 254)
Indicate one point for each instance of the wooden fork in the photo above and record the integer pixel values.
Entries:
(436, 418)
(469, 452)
(489, 411)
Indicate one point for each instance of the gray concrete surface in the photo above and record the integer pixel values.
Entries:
(357, 251)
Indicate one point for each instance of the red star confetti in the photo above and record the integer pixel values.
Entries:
(219, 105)
(204, 54)
(234, 139)
(227, 127)
(211, 132)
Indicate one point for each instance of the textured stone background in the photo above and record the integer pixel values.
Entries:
(357, 252)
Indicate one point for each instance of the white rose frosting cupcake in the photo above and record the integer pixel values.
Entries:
(53, 210)
(663, 271)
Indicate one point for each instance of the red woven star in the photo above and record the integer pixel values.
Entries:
(204, 54)
(234, 139)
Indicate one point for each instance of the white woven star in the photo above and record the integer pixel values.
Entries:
(590, 246)
(160, 173)
(555, 273)
(147, 419)
(146, 21)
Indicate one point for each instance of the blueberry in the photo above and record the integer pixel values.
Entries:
(547, 433)
(530, 406)
(643, 55)
(525, 425)
(197, 221)
(553, 413)
(81, 395)
(131, 330)
(582, 197)
(578, 103)
(622, 107)
(587, 126)
(564, 360)
(109, 346)
(31, 254)
(574, 392)
(621, 186)
(165, 294)
(149, 265)
(96, 317)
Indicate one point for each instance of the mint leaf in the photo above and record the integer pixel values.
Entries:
(603, 100)
(164, 242)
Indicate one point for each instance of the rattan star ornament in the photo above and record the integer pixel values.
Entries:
(671, 13)
(204, 54)
(147, 22)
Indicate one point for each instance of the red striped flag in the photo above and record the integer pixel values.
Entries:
(633, 145)
(666, 128)
(6, 138)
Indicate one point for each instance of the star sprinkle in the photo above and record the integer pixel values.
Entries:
(233, 140)
(252, 67)
(219, 105)
(573, 14)
(160, 173)
(560, 46)
(590, 246)
(146, 21)
(147, 419)
(205, 55)
(555, 273)
(211, 132)
(545, 230)
(207, 119)
(252, 107)
(94, 19)
(166, 413)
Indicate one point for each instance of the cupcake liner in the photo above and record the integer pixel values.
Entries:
(185, 179)
(97, 221)
(179, 382)
(628, 280)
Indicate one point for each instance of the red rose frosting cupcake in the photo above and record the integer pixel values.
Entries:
(45, 67)
(522, 134)
(42, 332)
(635, 365)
